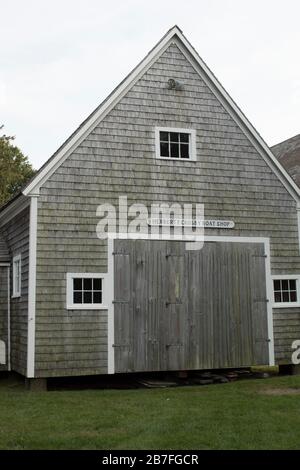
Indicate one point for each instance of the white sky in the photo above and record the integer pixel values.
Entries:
(59, 59)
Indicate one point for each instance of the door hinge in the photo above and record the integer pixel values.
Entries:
(179, 302)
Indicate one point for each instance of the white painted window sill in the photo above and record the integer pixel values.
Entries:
(87, 307)
(177, 159)
(286, 305)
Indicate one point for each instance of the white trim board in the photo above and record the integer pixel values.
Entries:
(174, 35)
(32, 286)
(230, 239)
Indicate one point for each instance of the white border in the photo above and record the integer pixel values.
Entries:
(8, 322)
(69, 294)
(174, 35)
(111, 309)
(234, 239)
(192, 143)
(287, 304)
(32, 286)
(16, 293)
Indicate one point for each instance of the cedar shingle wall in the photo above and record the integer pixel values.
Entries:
(3, 310)
(118, 158)
(16, 235)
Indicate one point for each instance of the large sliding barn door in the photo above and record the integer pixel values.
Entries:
(179, 310)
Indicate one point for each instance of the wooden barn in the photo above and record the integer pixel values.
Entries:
(73, 304)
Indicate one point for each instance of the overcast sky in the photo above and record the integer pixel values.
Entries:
(59, 59)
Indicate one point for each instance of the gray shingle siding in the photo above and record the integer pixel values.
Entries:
(16, 235)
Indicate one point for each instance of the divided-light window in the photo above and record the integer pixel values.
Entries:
(285, 290)
(175, 144)
(85, 291)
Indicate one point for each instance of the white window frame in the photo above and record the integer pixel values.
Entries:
(16, 288)
(192, 143)
(71, 306)
(287, 304)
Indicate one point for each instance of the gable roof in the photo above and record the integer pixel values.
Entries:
(173, 35)
(288, 153)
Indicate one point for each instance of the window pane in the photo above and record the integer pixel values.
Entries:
(164, 136)
(184, 138)
(77, 297)
(97, 284)
(174, 137)
(184, 150)
(293, 295)
(285, 297)
(77, 283)
(277, 284)
(277, 296)
(174, 150)
(164, 150)
(87, 284)
(292, 284)
(97, 297)
(87, 297)
(285, 284)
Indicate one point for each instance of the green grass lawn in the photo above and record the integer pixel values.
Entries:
(236, 415)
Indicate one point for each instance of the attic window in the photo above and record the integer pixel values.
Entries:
(175, 144)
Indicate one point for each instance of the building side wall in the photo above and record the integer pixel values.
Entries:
(16, 236)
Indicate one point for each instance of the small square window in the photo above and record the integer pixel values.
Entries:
(175, 144)
(84, 291)
(285, 291)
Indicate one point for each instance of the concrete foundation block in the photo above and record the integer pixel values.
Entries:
(36, 385)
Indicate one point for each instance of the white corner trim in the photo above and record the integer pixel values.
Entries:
(32, 286)
(269, 294)
(192, 143)
(8, 322)
(174, 35)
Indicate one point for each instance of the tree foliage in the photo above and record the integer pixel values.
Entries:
(15, 169)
